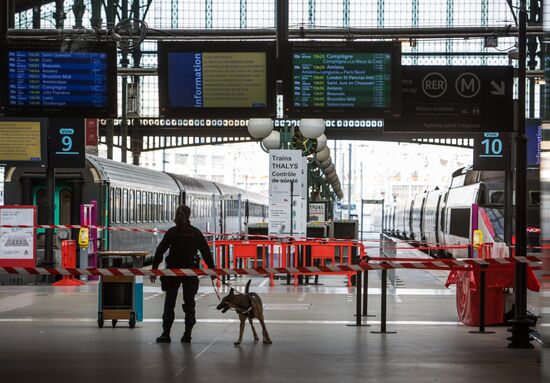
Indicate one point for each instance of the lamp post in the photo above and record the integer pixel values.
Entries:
(310, 129)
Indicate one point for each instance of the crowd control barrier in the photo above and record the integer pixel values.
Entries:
(288, 254)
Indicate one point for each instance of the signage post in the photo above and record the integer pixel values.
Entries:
(287, 192)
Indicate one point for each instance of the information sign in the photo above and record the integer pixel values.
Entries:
(67, 143)
(287, 204)
(18, 245)
(209, 79)
(343, 78)
(533, 130)
(455, 99)
(317, 211)
(23, 142)
(58, 79)
(491, 151)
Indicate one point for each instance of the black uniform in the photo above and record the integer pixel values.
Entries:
(183, 244)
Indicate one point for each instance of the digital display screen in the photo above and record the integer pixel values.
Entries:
(342, 80)
(57, 79)
(60, 80)
(218, 79)
(337, 79)
(22, 142)
(205, 79)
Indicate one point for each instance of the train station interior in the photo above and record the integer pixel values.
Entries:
(274, 190)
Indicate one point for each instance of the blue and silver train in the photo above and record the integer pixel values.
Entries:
(448, 217)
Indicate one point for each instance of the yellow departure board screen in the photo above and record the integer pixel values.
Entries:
(20, 141)
(217, 79)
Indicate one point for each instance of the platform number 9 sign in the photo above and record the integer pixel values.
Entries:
(67, 145)
(66, 135)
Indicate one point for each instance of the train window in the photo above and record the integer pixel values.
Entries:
(124, 206)
(111, 204)
(458, 181)
(151, 207)
(154, 215)
(162, 208)
(157, 207)
(132, 208)
(138, 206)
(118, 197)
(460, 222)
(471, 177)
(496, 197)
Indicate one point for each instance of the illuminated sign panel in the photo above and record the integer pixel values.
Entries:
(22, 142)
(58, 79)
(342, 80)
(337, 79)
(216, 79)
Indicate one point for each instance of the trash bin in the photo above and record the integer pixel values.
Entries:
(120, 296)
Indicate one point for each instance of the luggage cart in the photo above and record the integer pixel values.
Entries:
(120, 296)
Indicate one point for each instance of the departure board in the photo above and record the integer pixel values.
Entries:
(57, 79)
(336, 79)
(342, 80)
(63, 80)
(229, 79)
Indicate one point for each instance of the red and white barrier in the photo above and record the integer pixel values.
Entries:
(424, 264)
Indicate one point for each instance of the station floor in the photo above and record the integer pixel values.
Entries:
(49, 334)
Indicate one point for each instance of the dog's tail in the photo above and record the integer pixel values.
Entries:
(247, 286)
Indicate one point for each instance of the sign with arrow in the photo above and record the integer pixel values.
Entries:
(455, 99)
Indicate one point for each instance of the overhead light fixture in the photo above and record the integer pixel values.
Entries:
(260, 128)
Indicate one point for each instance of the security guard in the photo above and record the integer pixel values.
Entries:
(183, 240)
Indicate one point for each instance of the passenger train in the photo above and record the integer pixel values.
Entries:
(131, 196)
(474, 200)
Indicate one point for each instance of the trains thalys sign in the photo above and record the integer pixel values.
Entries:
(456, 99)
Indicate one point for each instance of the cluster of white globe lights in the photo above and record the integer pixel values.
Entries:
(310, 128)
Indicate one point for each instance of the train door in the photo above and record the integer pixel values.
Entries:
(62, 204)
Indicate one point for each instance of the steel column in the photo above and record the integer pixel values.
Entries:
(520, 324)
(36, 16)
(4, 20)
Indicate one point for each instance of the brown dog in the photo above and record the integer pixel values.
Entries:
(248, 306)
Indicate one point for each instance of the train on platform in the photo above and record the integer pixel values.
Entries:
(133, 197)
(443, 218)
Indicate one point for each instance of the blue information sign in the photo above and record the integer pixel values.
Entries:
(533, 130)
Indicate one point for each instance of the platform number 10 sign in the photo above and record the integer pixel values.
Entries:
(67, 149)
(492, 145)
(491, 151)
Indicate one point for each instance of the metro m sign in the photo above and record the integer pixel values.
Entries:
(455, 99)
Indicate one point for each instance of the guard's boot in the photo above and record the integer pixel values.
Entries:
(164, 337)
(186, 338)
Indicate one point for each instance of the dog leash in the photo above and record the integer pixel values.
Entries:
(215, 289)
(223, 283)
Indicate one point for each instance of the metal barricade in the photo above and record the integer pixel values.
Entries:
(388, 250)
